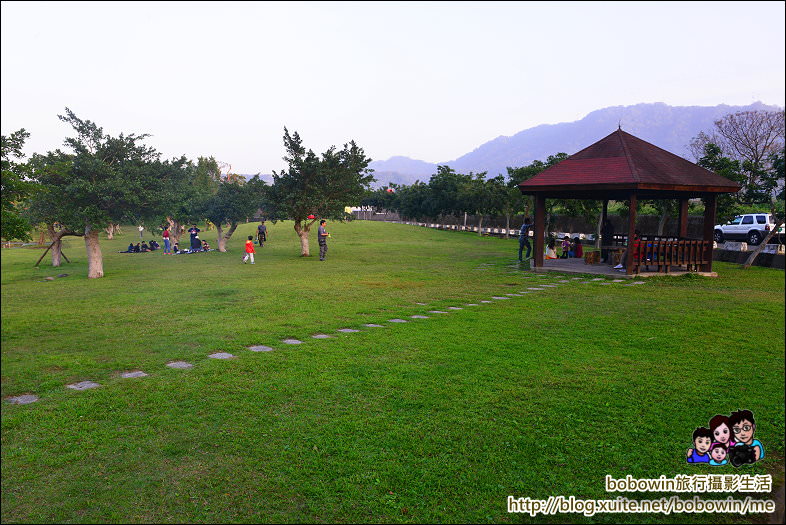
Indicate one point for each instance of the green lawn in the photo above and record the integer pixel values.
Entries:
(435, 420)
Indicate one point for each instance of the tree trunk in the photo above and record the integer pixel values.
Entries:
(174, 230)
(664, 216)
(302, 232)
(480, 225)
(95, 261)
(57, 245)
(111, 230)
(507, 225)
(224, 237)
(760, 247)
(598, 230)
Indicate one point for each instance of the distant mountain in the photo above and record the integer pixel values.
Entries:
(668, 127)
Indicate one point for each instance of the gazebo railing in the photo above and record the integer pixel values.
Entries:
(663, 255)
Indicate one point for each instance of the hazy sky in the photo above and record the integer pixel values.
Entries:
(430, 81)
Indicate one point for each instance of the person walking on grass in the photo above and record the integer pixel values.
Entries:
(261, 233)
(165, 236)
(249, 250)
(322, 236)
(524, 238)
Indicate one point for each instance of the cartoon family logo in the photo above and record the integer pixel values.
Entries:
(728, 440)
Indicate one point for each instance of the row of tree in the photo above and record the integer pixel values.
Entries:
(103, 180)
(746, 147)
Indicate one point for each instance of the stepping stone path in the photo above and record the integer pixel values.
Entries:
(372, 325)
(480, 301)
(564, 281)
(260, 348)
(497, 297)
(221, 355)
(397, 320)
(179, 364)
(515, 294)
(320, 336)
(538, 289)
(419, 316)
(618, 280)
(576, 278)
(605, 283)
(83, 385)
(599, 279)
(24, 399)
(132, 375)
(470, 304)
(292, 341)
(347, 330)
(638, 282)
(455, 308)
(421, 304)
(436, 312)
(549, 285)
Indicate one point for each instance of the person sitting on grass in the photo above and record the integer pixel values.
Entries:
(145, 247)
(130, 248)
(565, 248)
(137, 248)
(551, 251)
(578, 250)
(154, 246)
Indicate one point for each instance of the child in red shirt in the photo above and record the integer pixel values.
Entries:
(249, 250)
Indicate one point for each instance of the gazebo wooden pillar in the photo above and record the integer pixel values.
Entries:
(633, 203)
(683, 219)
(540, 226)
(710, 203)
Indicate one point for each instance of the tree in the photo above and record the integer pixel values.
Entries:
(232, 204)
(109, 180)
(476, 197)
(773, 182)
(317, 187)
(727, 205)
(187, 192)
(15, 187)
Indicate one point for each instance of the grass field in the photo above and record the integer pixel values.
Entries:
(433, 420)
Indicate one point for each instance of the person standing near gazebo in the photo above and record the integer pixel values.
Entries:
(524, 238)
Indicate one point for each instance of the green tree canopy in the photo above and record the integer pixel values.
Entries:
(16, 186)
(317, 186)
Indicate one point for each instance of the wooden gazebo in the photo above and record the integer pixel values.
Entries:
(622, 167)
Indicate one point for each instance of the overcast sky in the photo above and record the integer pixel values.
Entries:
(431, 81)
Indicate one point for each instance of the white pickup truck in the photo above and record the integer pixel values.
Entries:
(749, 227)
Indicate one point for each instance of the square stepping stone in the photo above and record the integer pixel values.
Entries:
(564, 281)
(83, 385)
(599, 279)
(514, 294)
(576, 278)
(132, 375)
(372, 325)
(480, 301)
(436, 312)
(618, 281)
(455, 308)
(549, 285)
(605, 283)
(586, 282)
(179, 364)
(221, 355)
(538, 289)
(525, 292)
(260, 348)
(471, 304)
(292, 341)
(419, 316)
(497, 297)
(24, 399)
(421, 304)
(347, 330)
(320, 336)
(397, 320)
(638, 282)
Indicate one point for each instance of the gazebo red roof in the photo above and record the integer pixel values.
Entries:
(621, 162)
